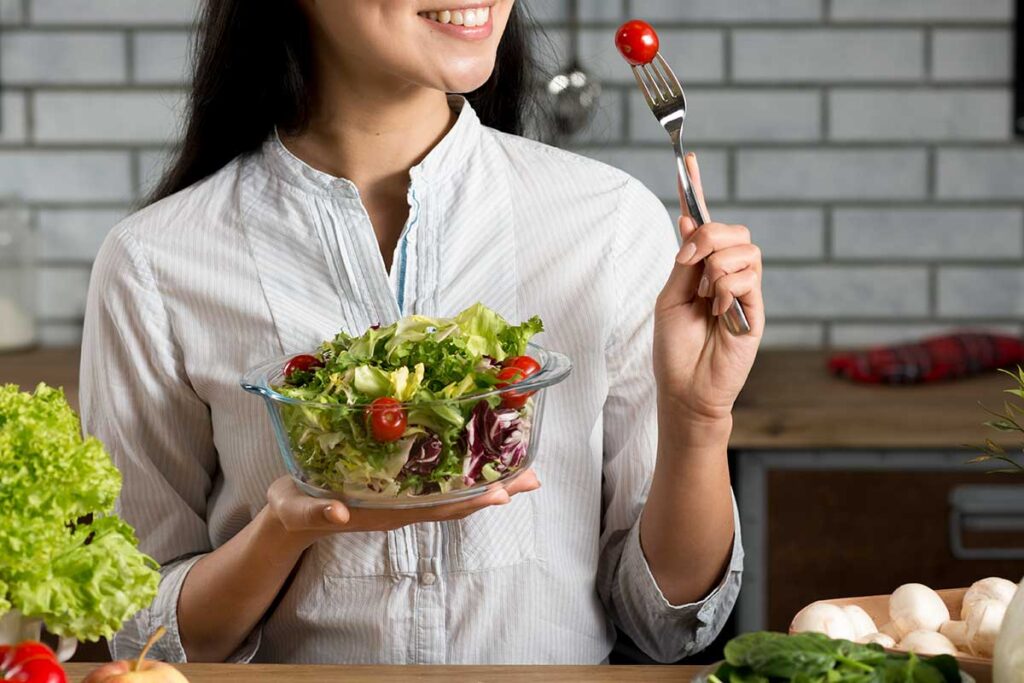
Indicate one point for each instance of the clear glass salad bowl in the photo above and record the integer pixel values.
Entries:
(331, 452)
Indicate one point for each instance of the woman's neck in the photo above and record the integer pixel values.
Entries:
(371, 137)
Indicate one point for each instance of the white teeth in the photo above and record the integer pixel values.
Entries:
(469, 18)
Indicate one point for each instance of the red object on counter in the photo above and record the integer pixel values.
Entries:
(930, 360)
(637, 42)
(30, 662)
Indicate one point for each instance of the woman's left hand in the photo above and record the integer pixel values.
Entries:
(699, 365)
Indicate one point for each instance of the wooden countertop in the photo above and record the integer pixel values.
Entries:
(276, 673)
(790, 402)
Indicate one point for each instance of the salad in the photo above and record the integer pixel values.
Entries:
(413, 408)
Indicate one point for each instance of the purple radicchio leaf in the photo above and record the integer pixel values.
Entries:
(493, 436)
(424, 455)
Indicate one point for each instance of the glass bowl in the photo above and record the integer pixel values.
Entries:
(330, 452)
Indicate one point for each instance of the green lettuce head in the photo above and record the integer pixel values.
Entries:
(65, 557)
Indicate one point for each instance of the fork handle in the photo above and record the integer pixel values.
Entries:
(735, 319)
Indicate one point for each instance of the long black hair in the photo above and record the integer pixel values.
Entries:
(252, 72)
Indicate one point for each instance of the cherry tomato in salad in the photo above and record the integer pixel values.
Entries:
(303, 363)
(510, 375)
(30, 662)
(637, 42)
(527, 365)
(387, 419)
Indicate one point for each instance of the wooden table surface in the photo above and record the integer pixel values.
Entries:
(790, 402)
(279, 673)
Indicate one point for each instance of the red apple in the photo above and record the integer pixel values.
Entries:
(138, 670)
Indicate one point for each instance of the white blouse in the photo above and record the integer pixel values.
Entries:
(270, 256)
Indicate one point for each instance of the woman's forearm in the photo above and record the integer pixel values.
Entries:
(687, 526)
(227, 592)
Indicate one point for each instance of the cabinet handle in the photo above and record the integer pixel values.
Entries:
(985, 508)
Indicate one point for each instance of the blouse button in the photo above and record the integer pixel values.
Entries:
(429, 578)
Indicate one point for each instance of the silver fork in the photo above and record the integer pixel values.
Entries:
(665, 97)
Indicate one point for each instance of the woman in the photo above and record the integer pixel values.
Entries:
(327, 182)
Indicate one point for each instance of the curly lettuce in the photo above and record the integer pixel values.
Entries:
(433, 365)
(65, 557)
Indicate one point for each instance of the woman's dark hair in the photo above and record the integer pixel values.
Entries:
(253, 72)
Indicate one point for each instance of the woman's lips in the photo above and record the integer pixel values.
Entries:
(473, 23)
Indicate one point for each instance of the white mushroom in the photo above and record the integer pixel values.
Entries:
(992, 588)
(927, 643)
(890, 630)
(879, 638)
(956, 631)
(862, 622)
(823, 617)
(916, 607)
(983, 624)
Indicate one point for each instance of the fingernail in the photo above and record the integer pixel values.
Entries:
(327, 513)
(702, 288)
(692, 155)
(714, 306)
(687, 253)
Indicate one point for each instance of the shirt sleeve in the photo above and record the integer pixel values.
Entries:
(136, 398)
(646, 242)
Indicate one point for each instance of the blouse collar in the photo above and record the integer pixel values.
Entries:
(445, 160)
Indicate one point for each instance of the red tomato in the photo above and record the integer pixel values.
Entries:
(510, 375)
(387, 419)
(526, 364)
(30, 662)
(303, 363)
(637, 42)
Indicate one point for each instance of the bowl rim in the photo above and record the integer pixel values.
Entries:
(554, 367)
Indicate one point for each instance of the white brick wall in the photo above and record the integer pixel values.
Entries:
(867, 143)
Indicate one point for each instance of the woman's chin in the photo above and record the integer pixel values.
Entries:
(465, 78)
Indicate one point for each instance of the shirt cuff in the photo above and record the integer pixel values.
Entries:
(663, 630)
(164, 612)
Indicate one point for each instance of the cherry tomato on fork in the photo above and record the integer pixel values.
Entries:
(637, 42)
(303, 363)
(387, 418)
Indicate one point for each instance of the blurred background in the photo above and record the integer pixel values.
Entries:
(869, 145)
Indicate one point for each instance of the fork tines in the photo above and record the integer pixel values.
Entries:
(658, 85)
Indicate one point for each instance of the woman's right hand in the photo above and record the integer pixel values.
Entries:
(306, 518)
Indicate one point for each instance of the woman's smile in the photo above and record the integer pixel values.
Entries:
(473, 23)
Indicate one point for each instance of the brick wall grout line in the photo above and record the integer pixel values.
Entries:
(727, 56)
(825, 112)
(931, 172)
(668, 25)
(30, 117)
(933, 291)
(828, 238)
(826, 17)
(926, 60)
(135, 172)
(129, 57)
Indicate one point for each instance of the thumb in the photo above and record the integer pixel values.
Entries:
(681, 286)
(693, 173)
(298, 511)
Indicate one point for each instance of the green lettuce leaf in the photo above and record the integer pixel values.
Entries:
(65, 557)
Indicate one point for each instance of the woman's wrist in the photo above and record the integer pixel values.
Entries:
(681, 424)
(272, 534)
